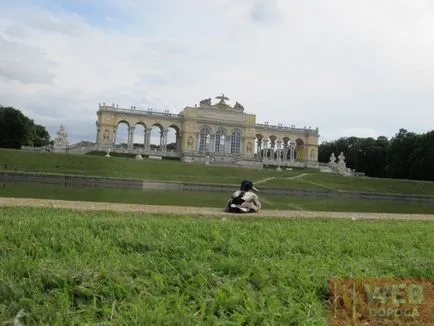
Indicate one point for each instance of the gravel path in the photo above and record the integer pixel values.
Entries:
(153, 209)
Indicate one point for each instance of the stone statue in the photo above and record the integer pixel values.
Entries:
(106, 135)
(190, 142)
(332, 159)
(62, 137)
(238, 107)
(222, 99)
(341, 163)
(249, 147)
(205, 102)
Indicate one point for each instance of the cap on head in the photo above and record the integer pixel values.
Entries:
(247, 185)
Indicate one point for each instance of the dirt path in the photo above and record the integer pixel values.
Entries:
(152, 209)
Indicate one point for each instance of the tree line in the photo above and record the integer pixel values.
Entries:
(16, 130)
(407, 155)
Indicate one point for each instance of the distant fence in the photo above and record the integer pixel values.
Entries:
(107, 182)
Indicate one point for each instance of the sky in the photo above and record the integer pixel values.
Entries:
(350, 68)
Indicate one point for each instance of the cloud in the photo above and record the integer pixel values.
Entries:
(341, 66)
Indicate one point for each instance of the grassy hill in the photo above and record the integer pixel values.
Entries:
(170, 170)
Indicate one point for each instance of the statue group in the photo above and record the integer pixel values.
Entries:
(340, 166)
(222, 98)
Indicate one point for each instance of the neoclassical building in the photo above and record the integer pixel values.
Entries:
(211, 133)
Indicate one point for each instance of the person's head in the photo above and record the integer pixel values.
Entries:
(247, 185)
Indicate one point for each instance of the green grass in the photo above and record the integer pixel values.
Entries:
(127, 168)
(209, 199)
(169, 170)
(334, 182)
(73, 268)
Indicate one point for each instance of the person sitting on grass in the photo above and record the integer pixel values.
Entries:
(244, 200)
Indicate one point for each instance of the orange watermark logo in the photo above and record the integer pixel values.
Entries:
(381, 301)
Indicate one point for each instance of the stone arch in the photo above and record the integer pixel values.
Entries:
(221, 137)
(204, 139)
(122, 128)
(236, 141)
(156, 136)
(139, 135)
(299, 149)
(173, 138)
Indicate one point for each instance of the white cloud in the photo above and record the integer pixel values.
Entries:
(349, 68)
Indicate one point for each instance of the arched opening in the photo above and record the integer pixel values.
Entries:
(139, 136)
(173, 139)
(236, 142)
(299, 149)
(156, 133)
(121, 136)
(220, 140)
(204, 139)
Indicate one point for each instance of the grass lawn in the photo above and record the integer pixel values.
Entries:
(67, 267)
(209, 199)
(169, 170)
(128, 168)
(327, 181)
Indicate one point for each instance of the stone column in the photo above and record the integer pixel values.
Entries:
(259, 147)
(163, 140)
(98, 135)
(197, 142)
(178, 142)
(228, 144)
(130, 137)
(265, 148)
(273, 148)
(148, 132)
(292, 152)
(279, 149)
(212, 144)
(115, 128)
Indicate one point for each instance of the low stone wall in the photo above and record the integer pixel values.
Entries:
(105, 182)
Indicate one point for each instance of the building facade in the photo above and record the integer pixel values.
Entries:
(211, 133)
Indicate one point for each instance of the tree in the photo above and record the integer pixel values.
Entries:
(18, 130)
(400, 153)
(422, 158)
(14, 128)
(41, 137)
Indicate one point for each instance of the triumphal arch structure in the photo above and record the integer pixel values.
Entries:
(211, 134)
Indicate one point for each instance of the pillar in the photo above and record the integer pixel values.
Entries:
(98, 135)
(163, 140)
(265, 150)
(130, 137)
(148, 132)
(292, 152)
(115, 128)
(178, 142)
(279, 150)
(212, 144)
(228, 144)
(259, 147)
